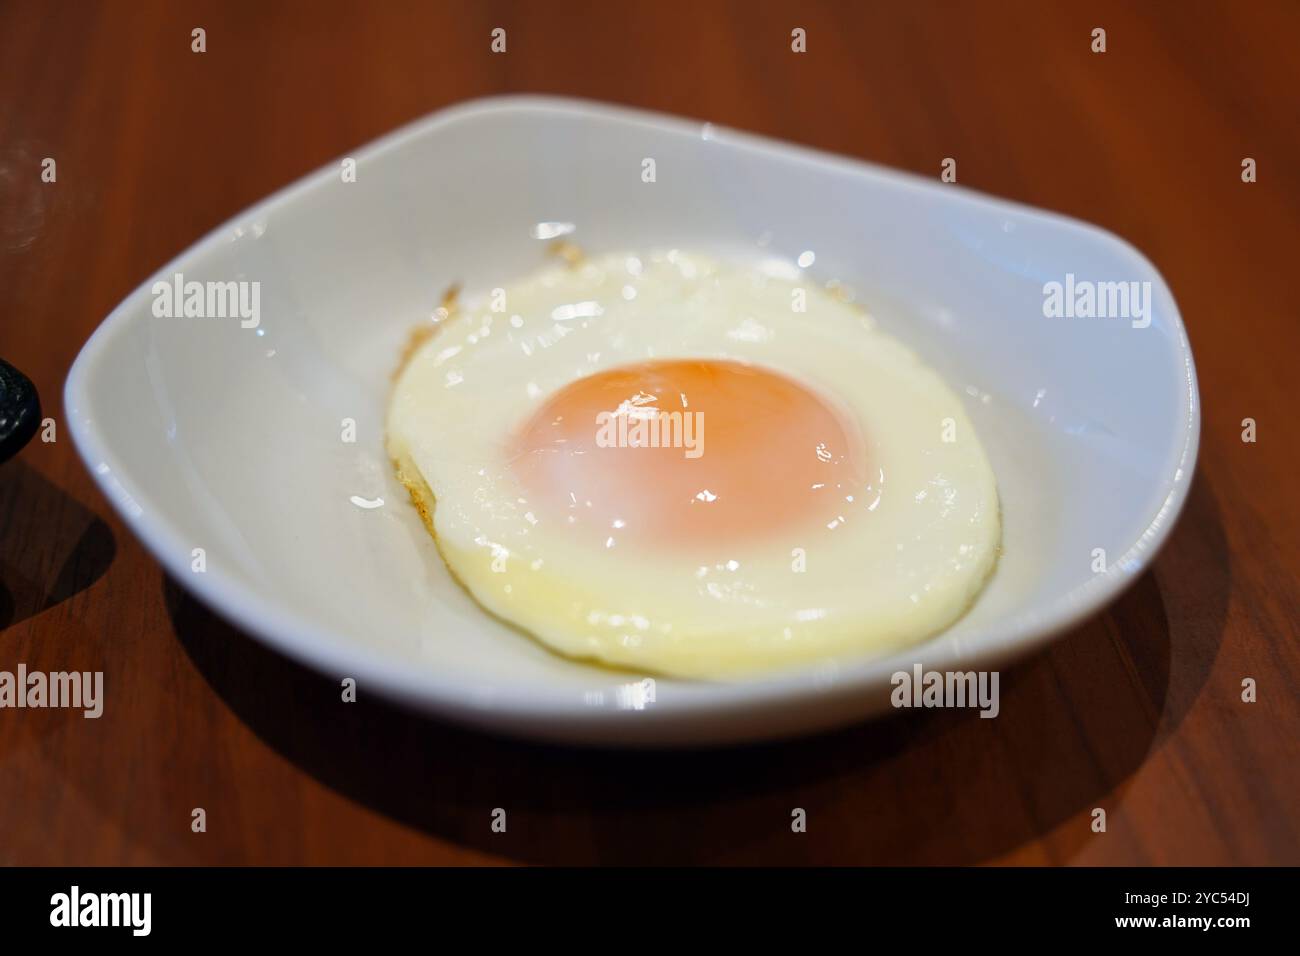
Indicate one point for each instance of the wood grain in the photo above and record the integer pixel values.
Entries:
(1138, 711)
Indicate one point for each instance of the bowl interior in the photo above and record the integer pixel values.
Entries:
(230, 439)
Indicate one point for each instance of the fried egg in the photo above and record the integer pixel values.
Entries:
(681, 466)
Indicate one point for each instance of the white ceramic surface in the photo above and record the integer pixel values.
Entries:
(205, 434)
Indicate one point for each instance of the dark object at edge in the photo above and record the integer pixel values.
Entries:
(20, 411)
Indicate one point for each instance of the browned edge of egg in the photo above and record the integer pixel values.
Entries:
(421, 494)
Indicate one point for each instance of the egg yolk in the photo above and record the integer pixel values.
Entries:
(680, 452)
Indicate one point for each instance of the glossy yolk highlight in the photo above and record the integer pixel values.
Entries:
(741, 452)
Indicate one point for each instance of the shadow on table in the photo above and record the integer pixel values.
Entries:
(916, 788)
(51, 546)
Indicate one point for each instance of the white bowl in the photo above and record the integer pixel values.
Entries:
(206, 434)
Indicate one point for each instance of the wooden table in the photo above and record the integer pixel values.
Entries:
(1138, 712)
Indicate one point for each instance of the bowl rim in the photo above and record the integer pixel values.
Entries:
(278, 625)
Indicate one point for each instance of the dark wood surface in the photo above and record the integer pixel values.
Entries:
(1139, 711)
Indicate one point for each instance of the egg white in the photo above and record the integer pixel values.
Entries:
(907, 557)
